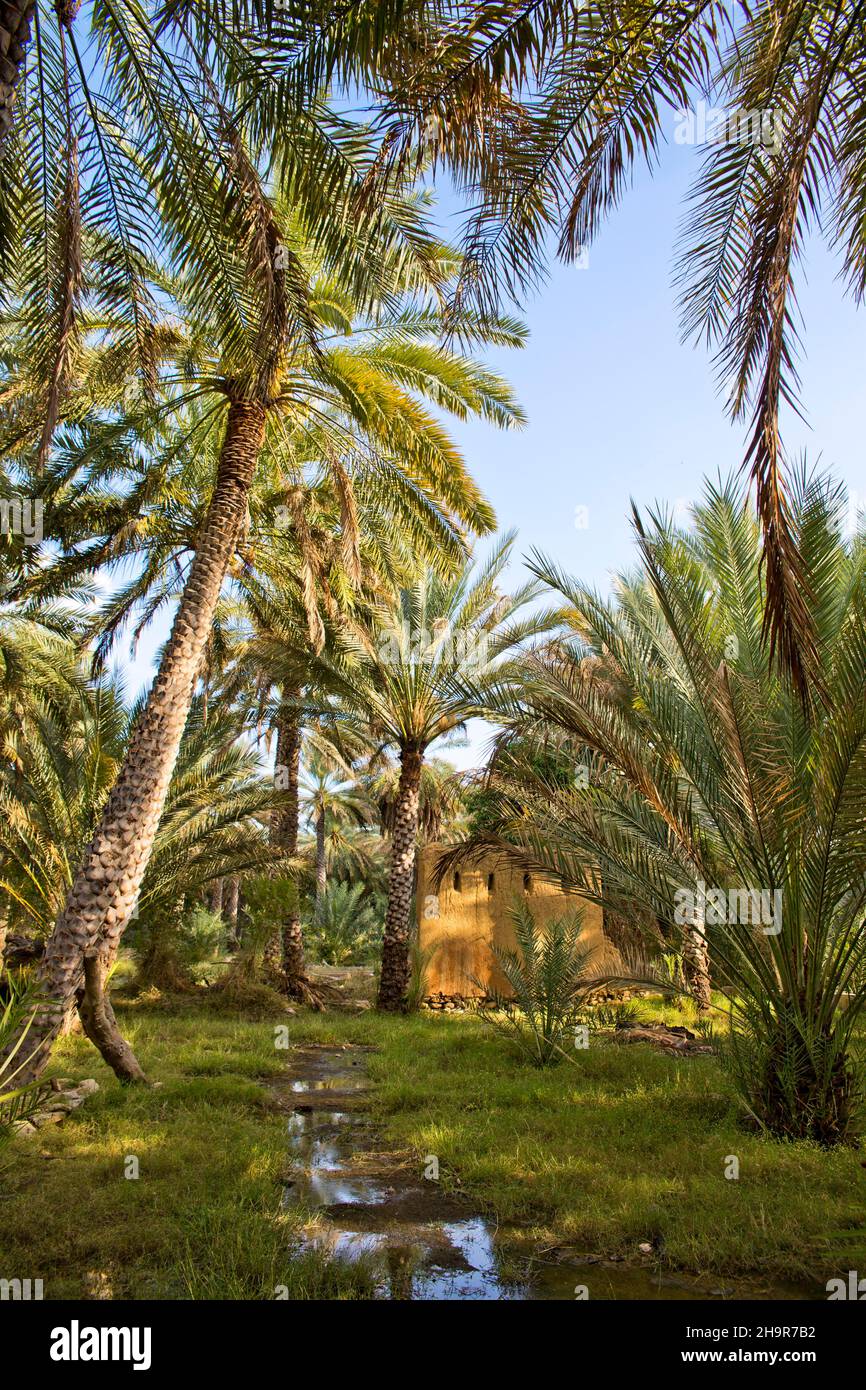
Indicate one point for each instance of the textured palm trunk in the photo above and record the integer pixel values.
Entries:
(16, 16)
(394, 977)
(99, 1023)
(232, 902)
(696, 963)
(321, 860)
(285, 831)
(286, 950)
(216, 897)
(106, 886)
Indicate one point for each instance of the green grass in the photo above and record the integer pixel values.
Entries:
(203, 1219)
(626, 1145)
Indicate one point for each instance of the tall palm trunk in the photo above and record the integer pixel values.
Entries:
(105, 889)
(696, 965)
(15, 19)
(216, 897)
(321, 861)
(286, 838)
(232, 904)
(394, 977)
(288, 947)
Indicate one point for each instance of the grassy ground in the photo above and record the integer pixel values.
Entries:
(628, 1145)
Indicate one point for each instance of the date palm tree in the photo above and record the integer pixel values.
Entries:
(330, 799)
(315, 528)
(707, 793)
(423, 664)
(213, 823)
(254, 392)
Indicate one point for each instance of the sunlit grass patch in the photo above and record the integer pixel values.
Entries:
(621, 1146)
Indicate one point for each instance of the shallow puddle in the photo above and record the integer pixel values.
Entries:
(420, 1243)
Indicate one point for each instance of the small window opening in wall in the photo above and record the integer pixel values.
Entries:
(458, 886)
(491, 882)
(527, 883)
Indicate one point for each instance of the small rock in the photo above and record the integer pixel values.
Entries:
(98, 1284)
(47, 1117)
(645, 1248)
(358, 1006)
(87, 1088)
(23, 1127)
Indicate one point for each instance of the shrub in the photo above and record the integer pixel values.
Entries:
(549, 984)
(345, 930)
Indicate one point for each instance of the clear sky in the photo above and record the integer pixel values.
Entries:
(619, 408)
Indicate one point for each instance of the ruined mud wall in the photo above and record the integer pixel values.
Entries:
(471, 908)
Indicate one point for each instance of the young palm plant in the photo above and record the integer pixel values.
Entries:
(547, 981)
(345, 929)
(17, 1011)
(704, 789)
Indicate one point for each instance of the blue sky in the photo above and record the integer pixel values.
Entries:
(619, 408)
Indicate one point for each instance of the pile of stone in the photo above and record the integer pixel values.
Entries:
(63, 1096)
(458, 1003)
(449, 1003)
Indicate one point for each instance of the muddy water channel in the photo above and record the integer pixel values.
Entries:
(371, 1204)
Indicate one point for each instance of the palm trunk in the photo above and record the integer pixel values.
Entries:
(321, 861)
(394, 977)
(99, 1023)
(232, 901)
(285, 955)
(106, 887)
(15, 19)
(285, 832)
(696, 964)
(216, 897)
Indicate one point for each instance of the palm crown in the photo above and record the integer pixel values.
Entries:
(542, 110)
(699, 767)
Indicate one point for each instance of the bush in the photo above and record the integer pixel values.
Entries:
(549, 984)
(345, 929)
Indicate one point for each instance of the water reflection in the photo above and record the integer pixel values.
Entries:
(406, 1230)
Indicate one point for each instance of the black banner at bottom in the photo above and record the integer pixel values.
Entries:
(56, 1340)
